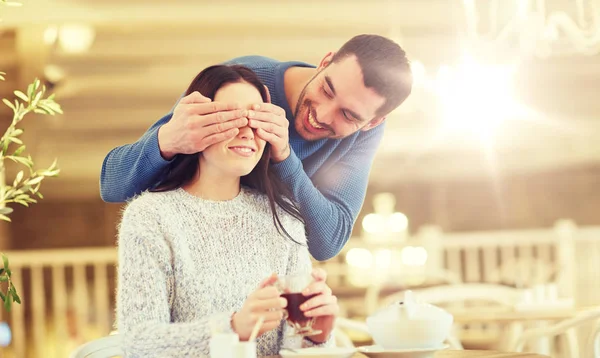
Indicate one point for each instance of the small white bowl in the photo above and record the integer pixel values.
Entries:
(321, 352)
(410, 325)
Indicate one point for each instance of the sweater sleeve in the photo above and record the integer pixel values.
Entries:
(145, 293)
(132, 168)
(331, 201)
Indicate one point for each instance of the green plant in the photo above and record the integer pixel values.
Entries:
(11, 294)
(25, 187)
(10, 3)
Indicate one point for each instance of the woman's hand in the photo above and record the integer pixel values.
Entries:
(265, 301)
(323, 306)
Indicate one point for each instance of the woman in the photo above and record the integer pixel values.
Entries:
(200, 253)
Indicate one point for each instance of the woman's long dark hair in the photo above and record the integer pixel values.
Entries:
(262, 178)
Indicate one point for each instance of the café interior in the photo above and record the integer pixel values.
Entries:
(483, 198)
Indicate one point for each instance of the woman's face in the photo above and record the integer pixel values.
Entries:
(238, 156)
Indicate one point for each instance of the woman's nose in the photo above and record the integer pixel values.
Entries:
(246, 133)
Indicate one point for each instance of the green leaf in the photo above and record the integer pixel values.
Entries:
(18, 178)
(20, 150)
(22, 197)
(36, 84)
(21, 95)
(5, 261)
(7, 304)
(25, 161)
(47, 110)
(39, 195)
(16, 140)
(5, 211)
(3, 278)
(35, 180)
(5, 218)
(16, 297)
(2, 296)
(36, 99)
(30, 90)
(9, 104)
(22, 202)
(50, 173)
(8, 272)
(17, 132)
(57, 108)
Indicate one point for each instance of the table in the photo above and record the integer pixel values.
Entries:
(469, 354)
(499, 315)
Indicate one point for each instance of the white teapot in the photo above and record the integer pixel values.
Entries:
(409, 324)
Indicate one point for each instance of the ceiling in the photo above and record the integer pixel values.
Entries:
(145, 53)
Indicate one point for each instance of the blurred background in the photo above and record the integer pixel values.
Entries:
(489, 173)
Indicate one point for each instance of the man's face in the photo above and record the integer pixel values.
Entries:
(335, 103)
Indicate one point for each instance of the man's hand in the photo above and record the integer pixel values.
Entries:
(197, 123)
(272, 126)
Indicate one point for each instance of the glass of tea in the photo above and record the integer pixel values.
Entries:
(291, 287)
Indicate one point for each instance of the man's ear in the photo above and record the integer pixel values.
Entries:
(325, 61)
(373, 123)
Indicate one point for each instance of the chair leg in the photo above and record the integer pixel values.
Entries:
(512, 339)
(572, 343)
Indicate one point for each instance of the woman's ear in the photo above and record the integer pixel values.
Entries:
(268, 94)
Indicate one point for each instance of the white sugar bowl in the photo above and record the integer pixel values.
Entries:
(409, 324)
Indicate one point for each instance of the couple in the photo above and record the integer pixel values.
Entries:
(231, 208)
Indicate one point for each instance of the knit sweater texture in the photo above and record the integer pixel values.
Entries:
(187, 264)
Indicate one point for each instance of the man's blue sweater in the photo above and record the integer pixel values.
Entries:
(328, 177)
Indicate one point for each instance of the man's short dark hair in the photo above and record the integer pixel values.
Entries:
(384, 66)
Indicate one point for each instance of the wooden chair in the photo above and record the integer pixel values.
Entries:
(568, 329)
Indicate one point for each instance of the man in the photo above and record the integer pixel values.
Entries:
(324, 124)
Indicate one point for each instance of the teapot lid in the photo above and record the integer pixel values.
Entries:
(410, 308)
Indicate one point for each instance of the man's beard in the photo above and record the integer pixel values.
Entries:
(300, 102)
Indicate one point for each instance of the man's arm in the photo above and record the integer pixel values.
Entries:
(132, 168)
(331, 202)
(194, 124)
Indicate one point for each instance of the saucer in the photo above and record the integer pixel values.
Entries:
(378, 352)
(329, 352)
